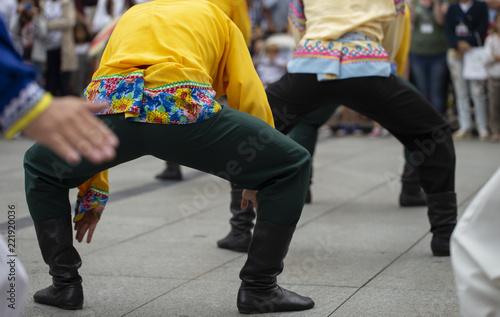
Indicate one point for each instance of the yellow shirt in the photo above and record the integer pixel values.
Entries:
(330, 20)
(172, 47)
(237, 11)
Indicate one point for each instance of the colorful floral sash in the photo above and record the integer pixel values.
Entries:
(183, 102)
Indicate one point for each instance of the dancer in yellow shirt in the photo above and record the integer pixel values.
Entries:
(165, 64)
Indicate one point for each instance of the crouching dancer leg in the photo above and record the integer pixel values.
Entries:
(162, 102)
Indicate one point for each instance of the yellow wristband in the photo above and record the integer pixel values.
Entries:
(30, 116)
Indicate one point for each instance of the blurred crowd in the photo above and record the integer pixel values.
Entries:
(63, 39)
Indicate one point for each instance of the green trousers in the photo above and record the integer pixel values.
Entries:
(233, 145)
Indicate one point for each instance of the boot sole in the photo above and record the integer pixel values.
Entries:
(235, 250)
(62, 307)
(440, 254)
(253, 311)
(71, 308)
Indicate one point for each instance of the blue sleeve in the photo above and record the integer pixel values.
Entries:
(18, 90)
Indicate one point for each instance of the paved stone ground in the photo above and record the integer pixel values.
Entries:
(355, 251)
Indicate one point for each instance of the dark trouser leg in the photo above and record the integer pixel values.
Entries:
(64, 82)
(172, 171)
(305, 133)
(232, 145)
(52, 73)
(241, 223)
(411, 192)
(397, 107)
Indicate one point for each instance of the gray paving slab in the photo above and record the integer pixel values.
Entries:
(215, 299)
(396, 303)
(104, 295)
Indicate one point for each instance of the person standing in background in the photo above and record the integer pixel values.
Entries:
(8, 11)
(276, 15)
(61, 56)
(28, 30)
(492, 62)
(466, 24)
(428, 68)
(81, 77)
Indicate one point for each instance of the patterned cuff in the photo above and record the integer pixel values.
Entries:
(296, 16)
(22, 110)
(400, 7)
(93, 197)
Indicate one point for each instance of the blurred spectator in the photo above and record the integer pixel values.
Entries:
(271, 67)
(276, 15)
(378, 130)
(428, 68)
(256, 15)
(61, 56)
(466, 25)
(81, 77)
(8, 11)
(29, 29)
(492, 61)
(350, 123)
(107, 10)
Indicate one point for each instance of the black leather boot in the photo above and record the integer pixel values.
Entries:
(442, 214)
(412, 194)
(172, 171)
(241, 222)
(55, 238)
(259, 291)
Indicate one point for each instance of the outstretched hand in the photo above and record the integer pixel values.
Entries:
(88, 223)
(249, 195)
(68, 128)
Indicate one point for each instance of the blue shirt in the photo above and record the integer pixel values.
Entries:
(19, 92)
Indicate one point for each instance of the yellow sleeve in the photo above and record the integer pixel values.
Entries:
(404, 48)
(240, 17)
(94, 192)
(238, 79)
(22, 123)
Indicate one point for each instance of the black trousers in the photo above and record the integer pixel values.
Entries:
(387, 100)
(57, 82)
